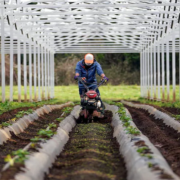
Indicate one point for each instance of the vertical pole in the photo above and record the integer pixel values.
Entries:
(167, 69)
(30, 73)
(45, 60)
(35, 76)
(48, 75)
(148, 72)
(159, 94)
(42, 71)
(174, 68)
(19, 71)
(53, 73)
(39, 73)
(145, 70)
(2, 56)
(163, 75)
(145, 74)
(25, 73)
(11, 62)
(151, 73)
(155, 70)
(179, 61)
(141, 72)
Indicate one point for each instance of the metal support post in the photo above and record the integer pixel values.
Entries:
(35, 76)
(19, 71)
(2, 56)
(163, 74)
(11, 62)
(30, 73)
(159, 72)
(141, 72)
(146, 70)
(42, 71)
(48, 74)
(155, 70)
(144, 73)
(39, 74)
(179, 61)
(25, 73)
(53, 73)
(148, 73)
(45, 60)
(174, 68)
(167, 70)
(151, 65)
(51, 66)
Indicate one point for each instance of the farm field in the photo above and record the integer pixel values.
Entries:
(87, 150)
(108, 93)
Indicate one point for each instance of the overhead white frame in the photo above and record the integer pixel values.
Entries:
(150, 28)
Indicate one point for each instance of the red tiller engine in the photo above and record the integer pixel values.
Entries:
(91, 94)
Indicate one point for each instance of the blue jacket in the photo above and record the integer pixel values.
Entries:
(89, 74)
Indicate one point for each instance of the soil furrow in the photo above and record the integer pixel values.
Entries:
(6, 116)
(91, 153)
(165, 138)
(21, 140)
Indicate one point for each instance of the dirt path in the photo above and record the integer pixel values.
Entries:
(166, 139)
(21, 140)
(91, 154)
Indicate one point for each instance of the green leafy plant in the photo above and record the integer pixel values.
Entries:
(146, 155)
(33, 145)
(52, 125)
(67, 110)
(150, 165)
(21, 156)
(5, 124)
(126, 124)
(37, 139)
(20, 153)
(59, 119)
(132, 130)
(125, 118)
(9, 160)
(22, 113)
(122, 111)
(142, 149)
(46, 133)
(6, 106)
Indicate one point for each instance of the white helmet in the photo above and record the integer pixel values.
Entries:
(89, 59)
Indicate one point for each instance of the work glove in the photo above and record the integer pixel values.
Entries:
(84, 79)
(105, 79)
(76, 77)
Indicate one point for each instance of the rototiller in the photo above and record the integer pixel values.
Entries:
(92, 106)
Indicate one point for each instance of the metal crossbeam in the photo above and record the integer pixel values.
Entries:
(39, 28)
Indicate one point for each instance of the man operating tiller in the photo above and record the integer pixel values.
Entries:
(85, 73)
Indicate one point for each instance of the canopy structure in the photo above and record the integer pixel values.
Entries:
(40, 28)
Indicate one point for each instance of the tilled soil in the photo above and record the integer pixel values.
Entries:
(168, 110)
(12, 113)
(165, 138)
(21, 140)
(91, 154)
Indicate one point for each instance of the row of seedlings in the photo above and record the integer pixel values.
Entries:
(168, 120)
(41, 152)
(21, 124)
(143, 160)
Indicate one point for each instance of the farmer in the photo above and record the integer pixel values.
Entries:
(86, 69)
